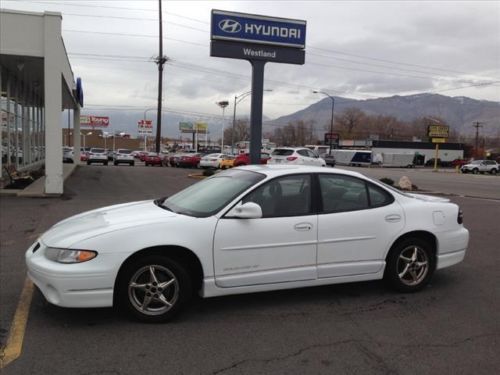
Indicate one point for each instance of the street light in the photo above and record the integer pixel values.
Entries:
(331, 123)
(84, 138)
(223, 104)
(237, 99)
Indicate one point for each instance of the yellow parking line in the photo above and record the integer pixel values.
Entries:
(14, 346)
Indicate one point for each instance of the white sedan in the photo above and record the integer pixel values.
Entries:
(247, 229)
(211, 161)
(296, 156)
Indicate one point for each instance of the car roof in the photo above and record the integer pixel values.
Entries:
(273, 170)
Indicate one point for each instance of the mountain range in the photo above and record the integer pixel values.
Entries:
(458, 112)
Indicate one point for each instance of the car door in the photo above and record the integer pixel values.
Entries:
(278, 247)
(357, 223)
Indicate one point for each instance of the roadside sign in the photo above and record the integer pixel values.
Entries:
(252, 28)
(94, 121)
(334, 137)
(438, 131)
(438, 140)
(145, 127)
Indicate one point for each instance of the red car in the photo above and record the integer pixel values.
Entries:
(459, 162)
(152, 158)
(189, 161)
(244, 159)
(142, 155)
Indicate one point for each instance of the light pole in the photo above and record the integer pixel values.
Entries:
(237, 99)
(223, 104)
(84, 138)
(331, 122)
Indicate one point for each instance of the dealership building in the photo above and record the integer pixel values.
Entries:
(37, 84)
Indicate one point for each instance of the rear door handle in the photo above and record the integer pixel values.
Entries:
(302, 227)
(394, 218)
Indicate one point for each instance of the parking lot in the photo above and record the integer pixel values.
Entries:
(450, 327)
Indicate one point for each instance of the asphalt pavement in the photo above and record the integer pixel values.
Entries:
(452, 326)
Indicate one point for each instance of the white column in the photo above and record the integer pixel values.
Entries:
(53, 104)
(76, 134)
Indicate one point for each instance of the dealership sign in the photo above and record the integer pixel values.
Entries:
(438, 131)
(94, 121)
(250, 28)
(145, 127)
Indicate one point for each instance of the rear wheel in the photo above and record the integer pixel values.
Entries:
(410, 265)
(154, 289)
(475, 171)
(493, 171)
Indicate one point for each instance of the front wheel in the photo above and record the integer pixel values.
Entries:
(410, 265)
(475, 171)
(154, 289)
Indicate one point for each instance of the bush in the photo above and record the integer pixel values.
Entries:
(208, 172)
(387, 180)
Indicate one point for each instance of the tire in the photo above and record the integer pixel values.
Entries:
(493, 171)
(148, 274)
(475, 171)
(88, 163)
(410, 265)
(106, 163)
(132, 164)
(115, 163)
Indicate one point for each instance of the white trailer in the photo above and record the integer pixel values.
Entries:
(395, 159)
(352, 157)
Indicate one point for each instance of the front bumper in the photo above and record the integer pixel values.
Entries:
(87, 284)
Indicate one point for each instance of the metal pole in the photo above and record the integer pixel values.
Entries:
(331, 124)
(222, 141)
(256, 110)
(436, 157)
(161, 61)
(234, 121)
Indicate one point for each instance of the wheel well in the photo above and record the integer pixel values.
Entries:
(180, 254)
(427, 236)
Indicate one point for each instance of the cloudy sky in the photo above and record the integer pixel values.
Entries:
(355, 49)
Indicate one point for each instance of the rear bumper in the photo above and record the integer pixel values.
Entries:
(452, 247)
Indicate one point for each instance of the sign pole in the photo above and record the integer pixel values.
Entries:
(436, 157)
(256, 110)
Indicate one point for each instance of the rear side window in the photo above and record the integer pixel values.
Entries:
(378, 196)
(343, 193)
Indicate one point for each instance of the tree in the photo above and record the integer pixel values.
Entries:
(241, 132)
(348, 120)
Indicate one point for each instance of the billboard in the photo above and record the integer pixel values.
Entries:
(94, 121)
(438, 131)
(145, 127)
(251, 28)
(189, 127)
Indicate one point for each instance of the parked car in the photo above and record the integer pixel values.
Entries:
(189, 160)
(68, 155)
(244, 159)
(258, 228)
(84, 154)
(143, 155)
(111, 155)
(459, 162)
(329, 159)
(227, 162)
(152, 158)
(440, 163)
(295, 155)
(97, 155)
(123, 156)
(211, 161)
(481, 166)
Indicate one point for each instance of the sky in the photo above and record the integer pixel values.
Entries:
(354, 49)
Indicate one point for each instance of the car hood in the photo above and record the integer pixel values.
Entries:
(104, 220)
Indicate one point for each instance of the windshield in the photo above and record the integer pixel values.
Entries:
(209, 196)
(97, 150)
(124, 151)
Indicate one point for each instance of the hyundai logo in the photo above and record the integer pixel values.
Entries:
(230, 26)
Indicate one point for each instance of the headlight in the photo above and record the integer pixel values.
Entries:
(69, 256)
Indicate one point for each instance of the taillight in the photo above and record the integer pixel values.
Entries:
(460, 217)
(291, 158)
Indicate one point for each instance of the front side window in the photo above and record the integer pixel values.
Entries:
(283, 196)
(211, 195)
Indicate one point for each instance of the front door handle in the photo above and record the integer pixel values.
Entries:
(302, 227)
(394, 218)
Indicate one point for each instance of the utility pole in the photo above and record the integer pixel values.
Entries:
(477, 125)
(161, 60)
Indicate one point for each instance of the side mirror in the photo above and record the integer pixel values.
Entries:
(249, 210)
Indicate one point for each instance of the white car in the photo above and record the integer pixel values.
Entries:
(246, 229)
(481, 166)
(123, 156)
(97, 155)
(296, 156)
(211, 161)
